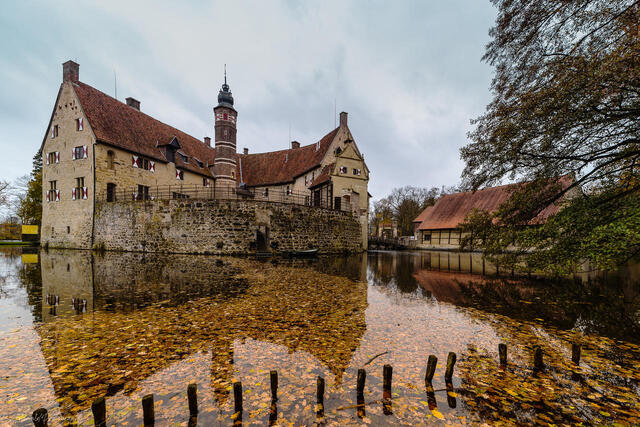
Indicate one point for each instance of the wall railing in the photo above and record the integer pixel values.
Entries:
(194, 191)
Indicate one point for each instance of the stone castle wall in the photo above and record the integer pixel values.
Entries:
(222, 227)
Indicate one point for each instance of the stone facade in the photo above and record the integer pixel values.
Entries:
(99, 149)
(223, 227)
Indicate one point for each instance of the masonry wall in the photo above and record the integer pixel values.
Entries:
(67, 222)
(222, 227)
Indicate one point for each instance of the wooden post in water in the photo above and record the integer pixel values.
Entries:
(192, 397)
(451, 398)
(99, 409)
(387, 372)
(148, 412)
(237, 399)
(320, 397)
(431, 368)
(451, 361)
(273, 375)
(502, 351)
(538, 363)
(40, 417)
(362, 375)
(575, 353)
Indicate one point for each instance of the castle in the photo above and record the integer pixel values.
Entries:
(98, 150)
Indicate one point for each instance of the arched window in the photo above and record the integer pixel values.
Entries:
(110, 159)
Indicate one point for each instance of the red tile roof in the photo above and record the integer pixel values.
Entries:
(280, 167)
(120, 125)
(423, 214)
(450, 210)
(324, 176)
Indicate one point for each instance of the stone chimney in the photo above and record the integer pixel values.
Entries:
(132, 102)
(245, 150)
(207, 141)
(295, 144)
(70, 72)
(343, 119)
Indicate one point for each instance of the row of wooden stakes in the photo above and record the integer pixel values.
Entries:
(40, 416)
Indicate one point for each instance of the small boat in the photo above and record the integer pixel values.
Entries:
(304, 254)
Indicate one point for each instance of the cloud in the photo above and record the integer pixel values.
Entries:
(408, 73)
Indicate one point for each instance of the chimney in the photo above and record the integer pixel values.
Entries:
(132, 102)
(246, 150)
(295, 144)
(343, 119)
(207, 141)
(70, 72)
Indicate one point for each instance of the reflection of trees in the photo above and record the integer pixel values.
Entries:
(295, 307)
(395, 270)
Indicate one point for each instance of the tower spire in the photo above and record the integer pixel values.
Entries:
(225, 74)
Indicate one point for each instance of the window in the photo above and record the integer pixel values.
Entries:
(110, 159)
(198, 162)
(78, 153)
(266, 192)
(79, 192)
(180, 196)
(338, 151)
(54, 131)
(111, 192)
(337, 203)
(180, 175)
(79, 124)
(142, 163)
(205, 182)
(184, 158)
(288, 190)
(68, 231)
(53, 194)
(143, 192)
(426, 237)
(53, 157)
(343, 169)
(357, 171)
(233, 175)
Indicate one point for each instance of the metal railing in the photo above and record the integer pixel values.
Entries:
(194, 191)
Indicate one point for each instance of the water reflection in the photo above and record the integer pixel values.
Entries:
(122, 325)
(605, 304)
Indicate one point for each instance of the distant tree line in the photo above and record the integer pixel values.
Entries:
(403, 205)
(22, 199)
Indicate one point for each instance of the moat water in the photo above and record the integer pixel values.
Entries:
(75, 326)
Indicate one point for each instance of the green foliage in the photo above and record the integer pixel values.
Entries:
(566, 103)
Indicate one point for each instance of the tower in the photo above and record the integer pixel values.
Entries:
(224, 163)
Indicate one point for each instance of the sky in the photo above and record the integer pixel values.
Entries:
(409, 73)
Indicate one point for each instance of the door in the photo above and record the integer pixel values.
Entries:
(262, 238)
(111, 192)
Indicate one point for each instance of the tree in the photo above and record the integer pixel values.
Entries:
(566, 101)
(29, 208)
(4, 193)
(404, 204)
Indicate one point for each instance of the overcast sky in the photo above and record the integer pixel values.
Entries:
(408, 73)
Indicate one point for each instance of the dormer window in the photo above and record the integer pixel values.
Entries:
(198, 162)
(184, 158)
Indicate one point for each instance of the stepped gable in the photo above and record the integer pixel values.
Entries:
(451, 209)
(282, 167)
(115, 123)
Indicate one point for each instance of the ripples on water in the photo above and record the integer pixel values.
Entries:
(75, 326)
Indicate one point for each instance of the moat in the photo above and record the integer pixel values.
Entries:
(75, 326)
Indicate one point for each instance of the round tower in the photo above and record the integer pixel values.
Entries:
(224, 163)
